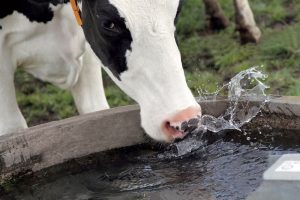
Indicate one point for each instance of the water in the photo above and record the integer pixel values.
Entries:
(244, 87)
(241, 90)
(227, 169)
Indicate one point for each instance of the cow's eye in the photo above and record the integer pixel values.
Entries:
(110, 26)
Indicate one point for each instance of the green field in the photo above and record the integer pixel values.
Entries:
(209, 58)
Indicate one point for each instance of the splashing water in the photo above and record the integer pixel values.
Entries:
(245, 86)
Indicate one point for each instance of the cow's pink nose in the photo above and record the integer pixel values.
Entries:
(172, 126)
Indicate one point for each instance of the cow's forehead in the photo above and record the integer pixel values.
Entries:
(145, 10)
(145, 5)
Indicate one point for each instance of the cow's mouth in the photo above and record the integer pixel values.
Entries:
(178, 130)
(173, 131)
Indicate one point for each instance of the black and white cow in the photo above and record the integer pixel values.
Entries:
(133, 40)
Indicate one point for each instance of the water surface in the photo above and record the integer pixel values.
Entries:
(227, 168)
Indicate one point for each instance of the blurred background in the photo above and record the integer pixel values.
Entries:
(211, 56)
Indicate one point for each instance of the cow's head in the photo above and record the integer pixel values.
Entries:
(135, 40)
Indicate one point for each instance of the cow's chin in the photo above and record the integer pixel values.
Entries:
(155, 132)
(151, 121)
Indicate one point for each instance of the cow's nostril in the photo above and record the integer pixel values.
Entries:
(172, 131)
(171, 125)
(168, 124)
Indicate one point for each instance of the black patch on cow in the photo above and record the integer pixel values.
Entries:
(34, 10)
(107, 34)
(0, 27)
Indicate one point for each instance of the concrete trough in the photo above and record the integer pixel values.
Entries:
(51, 144)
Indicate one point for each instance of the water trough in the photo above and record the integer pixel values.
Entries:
(40, 149)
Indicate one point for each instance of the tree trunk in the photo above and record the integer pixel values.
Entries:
(215, 15)
(245, 22)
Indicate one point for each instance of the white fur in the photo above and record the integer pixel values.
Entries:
(56, 52)
(155, 77)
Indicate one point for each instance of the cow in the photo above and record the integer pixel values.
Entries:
(244, 18)
(132, 40)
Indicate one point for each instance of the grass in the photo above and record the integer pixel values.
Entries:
(219, 56)
(209, 58)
